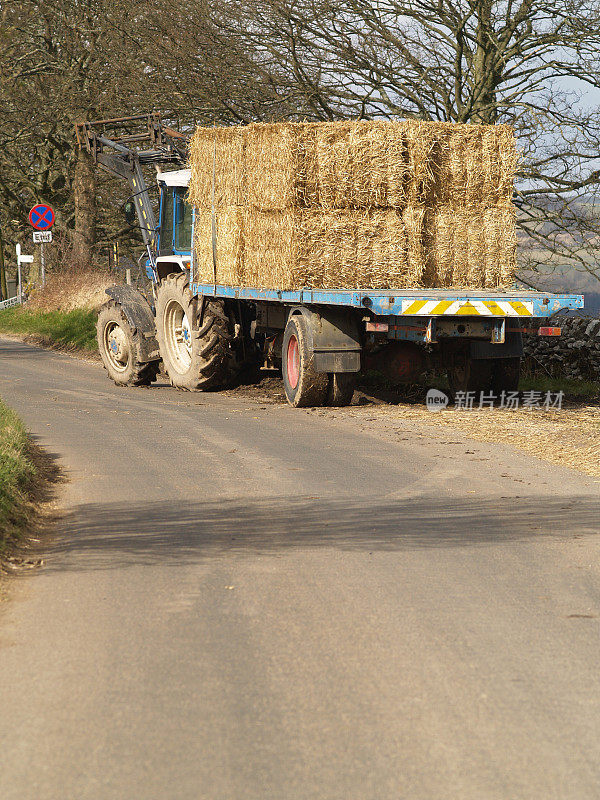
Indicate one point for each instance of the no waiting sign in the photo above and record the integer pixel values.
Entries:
(41, 217)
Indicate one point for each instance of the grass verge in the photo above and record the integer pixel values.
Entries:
(64, 330)
(17, 475)
(572, 388)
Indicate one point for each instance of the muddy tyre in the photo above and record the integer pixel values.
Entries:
(303, 385)
(195, 356)
(467, 374)
(506, 373)
(120, 347)
(340, 390)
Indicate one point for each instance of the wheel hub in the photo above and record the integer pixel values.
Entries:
(293, 362)
(178, 335)
(117, 346)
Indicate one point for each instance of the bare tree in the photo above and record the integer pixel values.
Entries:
(528, 63)
(531, 64)
(62, 62)
(54, 72)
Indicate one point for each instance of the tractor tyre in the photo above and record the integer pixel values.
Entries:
(120, 346)
(195, 356)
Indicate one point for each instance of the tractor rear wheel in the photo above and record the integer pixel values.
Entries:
(120, 346)
(197, 354)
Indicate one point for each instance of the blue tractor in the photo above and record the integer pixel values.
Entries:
(202, 344)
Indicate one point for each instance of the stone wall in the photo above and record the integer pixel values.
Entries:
(574, 354)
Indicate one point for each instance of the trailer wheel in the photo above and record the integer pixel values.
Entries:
(194, 358)
(120, 345)
(466, 374)
(506, 373)
(304, 386)
(341, 388)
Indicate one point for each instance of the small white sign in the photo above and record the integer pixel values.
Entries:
(41, 237)
(13, 301)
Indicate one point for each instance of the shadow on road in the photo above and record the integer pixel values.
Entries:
(107, 536)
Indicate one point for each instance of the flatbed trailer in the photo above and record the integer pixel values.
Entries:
(206, 335)
(403, 302)
(476, 336)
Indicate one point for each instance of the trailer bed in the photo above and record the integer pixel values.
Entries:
(420, 302)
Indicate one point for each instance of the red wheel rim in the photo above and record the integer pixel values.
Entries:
(293, 362)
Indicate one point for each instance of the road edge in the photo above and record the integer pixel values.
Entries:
(39, 512)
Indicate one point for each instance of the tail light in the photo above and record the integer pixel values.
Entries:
(549, 331)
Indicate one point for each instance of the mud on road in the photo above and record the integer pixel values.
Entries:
(567, 437)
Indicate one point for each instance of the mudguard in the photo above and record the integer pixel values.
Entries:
(333, 337)
(512, 347)
(140, 316)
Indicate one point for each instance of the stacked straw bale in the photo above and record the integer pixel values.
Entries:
(328, 249)
(351, 205)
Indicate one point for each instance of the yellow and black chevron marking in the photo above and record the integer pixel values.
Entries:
(472, 308)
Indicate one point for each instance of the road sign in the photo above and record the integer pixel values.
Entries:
(41, 217)
(12, 301)
(22, 259)
(39, 237)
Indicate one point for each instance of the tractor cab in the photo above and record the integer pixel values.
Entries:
(174, 241)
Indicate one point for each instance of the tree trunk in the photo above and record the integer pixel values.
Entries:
(84, 195)
(484, 68)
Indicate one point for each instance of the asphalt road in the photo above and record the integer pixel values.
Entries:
(252, 601)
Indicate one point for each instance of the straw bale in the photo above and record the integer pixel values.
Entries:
(271, 165)
(269, 250)
(470, 248)
(229, 240)
(421, 139)
(473, 165)
(440, 247)
(469, 244)
(225, 149)
(334, 165)
(401, 166)
(414, 221)
(500, 233)
(326, 248)
(500, 161)
(365, 164)
(280, 165)
(341, 249)
(369, 164)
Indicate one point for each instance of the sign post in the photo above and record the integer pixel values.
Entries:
(21, 259)
(41, 218)
(19, 276)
